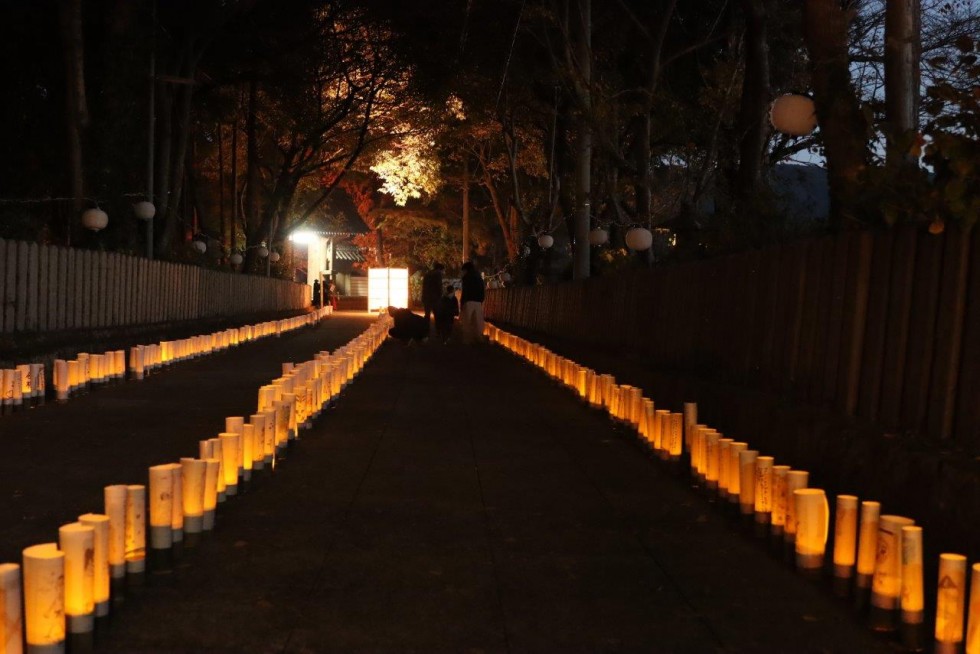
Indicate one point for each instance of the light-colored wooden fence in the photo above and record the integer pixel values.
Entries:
(48, 288)
(884, 325)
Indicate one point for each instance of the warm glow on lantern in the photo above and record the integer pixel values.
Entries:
(746, 477)
(77, 541)
(779, 499)
(44, 598)
(867, 543)
(912, 601)
(101, 579)
(212, 471)
(193, 472)
(886, 585)
(135, 528)
(735, 471)
(724, 459)
(950, 600)
(11, 618)
(763, 489)
(690, 420)
(795, 480)
(812, 524)
(845, 536)
(236, 425)
(230, 458)
(115, 508)
(161, 506)
(973, 613)
(793, 114)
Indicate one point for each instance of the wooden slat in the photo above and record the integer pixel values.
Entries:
(43, 289)
(820, 316)
(873, 355)
(967, 424)
(23, 262)
(854, 321)
(897, 330)
(835, 318)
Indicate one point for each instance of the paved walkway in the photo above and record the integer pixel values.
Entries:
(455, 500)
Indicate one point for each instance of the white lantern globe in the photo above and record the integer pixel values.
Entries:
(95, 219)
(795, 115)
(639, 239)
(200, 246)
(274, 257)
(546, 241)
(262, 251)
(505, 277)
(598, 236)
(144, 210)
(236, 259)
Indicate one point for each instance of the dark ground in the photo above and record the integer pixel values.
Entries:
(455, 500)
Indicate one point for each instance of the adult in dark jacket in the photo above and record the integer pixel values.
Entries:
(432, 290)
(471, 312)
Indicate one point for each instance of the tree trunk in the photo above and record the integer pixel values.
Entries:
(902, 51)
(642, 185)
(168, 236)
(466, 209)
(583, 145)
(222, 218)
(251, 168)
(70, 20)
(842, 124)
(752, 118)
(234, 180)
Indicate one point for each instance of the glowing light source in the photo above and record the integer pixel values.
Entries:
(44, 598)
(792, 114)
(886, 586)
(912, 591)
(387, 287)
(77, 541)
(100, 552)
(11, 618)
(812, 523)
(302, 236)
(950, 599)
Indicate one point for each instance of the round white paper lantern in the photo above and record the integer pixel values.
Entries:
(598, 236)
(546, 241)
(144, 210)
(505, 277)
(95, 219)
(639, 239)
(274, 257)
(792, 114)
(236, 259)
(263, 251)
(200, 246)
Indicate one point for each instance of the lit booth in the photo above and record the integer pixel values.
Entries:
(387, 287)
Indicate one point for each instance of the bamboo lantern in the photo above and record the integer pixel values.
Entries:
(61, 383)
(269, 437)
(779, 499)
(83, 369)
(812, 524)
(795, 480)
(44, 599)
(266, 398)
(676, 447)
(763, 489)
(950, 603)
(75, 379)
(177, 503)
(595, 389)
(26, 386)
(283, 432)
(690, 419)
(636, 407)
(231, 457)
(912, 602)
(77, 541)
(211, 449)
(695, 445)
(735, 471)
(100, 550)
(161, 506)
(193, 473)
(257, 420)
(712, 459)
(581, 382)
(115, 508)
(973, 613)
(17, 387)
(236, 425)
(211, 473)
(37, 382)
(867, 544)
(136, 362)
(746, 477)
(135, 528)
(845, 536)
(661, 428)
(7, 388)
(253, 450)
(11, 618)
(646, 423)
(724, 458)
(886, 585)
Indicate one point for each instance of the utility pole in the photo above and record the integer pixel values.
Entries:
(583, 155)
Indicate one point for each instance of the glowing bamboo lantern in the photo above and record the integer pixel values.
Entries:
(845, 536)
(695, 445)
(867, 544)
(75, 381)
(735, 471)
(263, 457)
(746, 477)
(636, 407)
(26, 389)
(231, 457)
(973, 613)
(11, 618)
(712, 461)
(724, 458)
(236, 425)
(253, 450)
(37, 382)
(269, 437)
(211, 449)
(282, 430)
(44, 599)
(779, 499)
(912, 602)
(795, 480)
(581, 382)
(7, 388)
(16, 388)
(77, 541)
(676, 446)
(661, 430)
(267, 395)
(135, 528)
(886, 585)
(136, 362)
(690, 420)
(763, 490)
(950, 601)
(812, 524)
(649, 410)
(62, 385)
(211, 474)
(83, 369)
(100, 555)
(161, 506)
(193, 474)
(115, 508)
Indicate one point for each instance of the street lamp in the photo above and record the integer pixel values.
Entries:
(95, 219)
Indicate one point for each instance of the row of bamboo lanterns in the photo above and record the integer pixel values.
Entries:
(25, 384)
(66, 585)
(880, 555)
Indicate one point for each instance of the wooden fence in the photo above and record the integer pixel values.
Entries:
(47, 288)
(884, 325)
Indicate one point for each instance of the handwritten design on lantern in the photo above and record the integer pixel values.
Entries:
(100, 551)
(779, 499)
(77, 541)
(135, 528)
(11, 620)
(812, 524)
(746, 474)
(912, 601)
(845, 536)
(795, 480)
(867, 543)
(44, 597)
(950, 598)
(973, 626)
(763, 489)
(115, 508)
(886, 585)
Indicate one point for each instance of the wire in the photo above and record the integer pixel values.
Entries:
(510, 52)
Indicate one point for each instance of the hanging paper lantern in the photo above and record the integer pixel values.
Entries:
(792, 114)
(598, 236)
(236, 259)
(546, 241)
(639, 239)
(274, 257)
(262, 251)
(199, 245)
(95, 219)
(144, 210)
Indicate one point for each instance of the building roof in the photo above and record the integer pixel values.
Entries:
(337, 217)
(347, 252)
